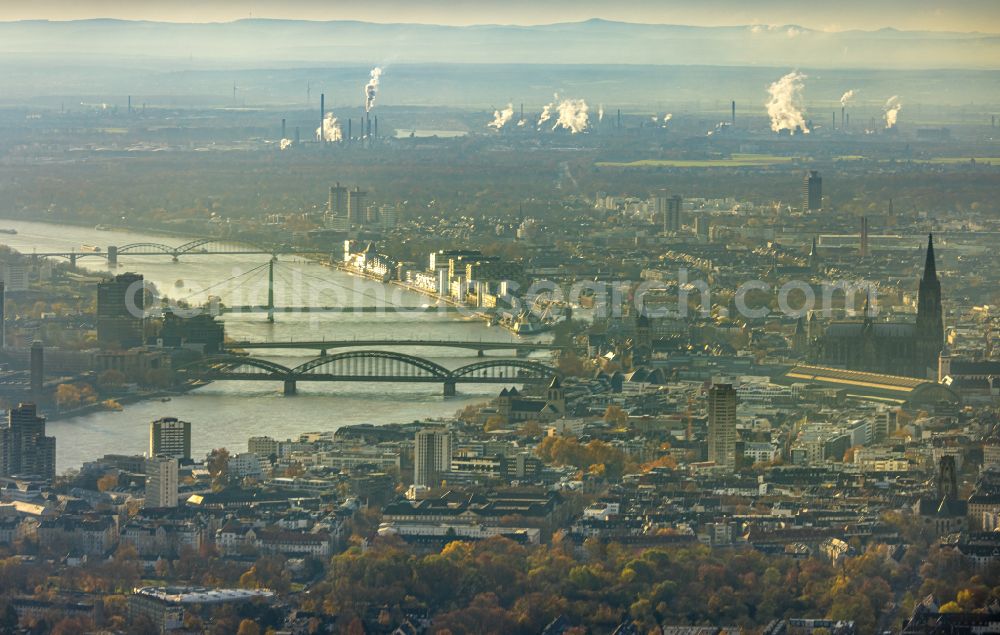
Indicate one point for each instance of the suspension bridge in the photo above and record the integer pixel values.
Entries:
(366, 366)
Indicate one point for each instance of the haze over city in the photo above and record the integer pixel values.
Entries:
(433, 317)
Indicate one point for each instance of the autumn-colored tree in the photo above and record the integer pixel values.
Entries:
(107, 482)
(615, 416)
(111, 379)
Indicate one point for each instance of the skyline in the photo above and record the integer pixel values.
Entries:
(981, 16)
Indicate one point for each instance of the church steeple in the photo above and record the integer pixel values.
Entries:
(930, 267)
(930, 315)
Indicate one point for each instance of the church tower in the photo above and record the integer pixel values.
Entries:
(930, 316)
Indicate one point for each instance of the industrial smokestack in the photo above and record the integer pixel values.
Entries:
(349, 137)
(130, 104)
(847, 121)
(834, 113)
(282, 128)
(619, 117)
(843, 117)
(296, 135)
(322, 116)
(522, 112)
(734, 112)
(375, 132)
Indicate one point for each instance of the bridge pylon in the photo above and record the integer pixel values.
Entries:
(270, 290)
(449, 388)
(290, 387)
(113, 255)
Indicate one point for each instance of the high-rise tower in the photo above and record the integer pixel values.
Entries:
(722, 425)
(812, 191)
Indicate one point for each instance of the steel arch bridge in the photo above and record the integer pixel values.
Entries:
(199, 246)
(366, 366)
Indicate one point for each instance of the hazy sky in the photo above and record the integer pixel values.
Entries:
(938, 15)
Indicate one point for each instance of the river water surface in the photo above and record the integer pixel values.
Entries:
(226, 414)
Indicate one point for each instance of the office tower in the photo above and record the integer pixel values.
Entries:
(161, 482)
(389, 215)
(722, 425)
(356, 200)
(668, 208)
(674, 205)
(431, 457)
(170, 437)
(120, 310)
(24, 448)
(702, 226)
(337, 203)
(812, 192)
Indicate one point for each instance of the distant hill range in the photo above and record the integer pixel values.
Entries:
(257, 43)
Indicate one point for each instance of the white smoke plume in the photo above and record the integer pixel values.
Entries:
(847, 97)
(546, 114)
(573, 116)
(330, 130)
(285, 144)
(783, 105)
(600, 113)
(892, 107)
(666, 119)
(371, 88)
(502, 117)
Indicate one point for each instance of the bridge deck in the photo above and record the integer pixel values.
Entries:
(334, 344)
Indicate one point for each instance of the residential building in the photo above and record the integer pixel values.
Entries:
(24, 448)
(161, 482)
(168, 436)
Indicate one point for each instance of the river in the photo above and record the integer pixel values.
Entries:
(226, 414)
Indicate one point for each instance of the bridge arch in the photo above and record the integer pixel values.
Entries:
(235, 365)
(512, 369)
(368, 363)
(167, 249)
(236, 245)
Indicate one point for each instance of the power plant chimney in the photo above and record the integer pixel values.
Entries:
(282, 128)
(375, 132)
(619, 117)
(734, 112)
(349, 137)
(843, 117)
(322, 116)
(130, 104)
(296, 135)
(834, 113)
